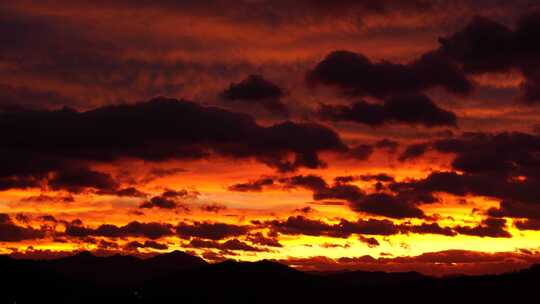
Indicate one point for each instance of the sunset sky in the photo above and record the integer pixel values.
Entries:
(395, 135)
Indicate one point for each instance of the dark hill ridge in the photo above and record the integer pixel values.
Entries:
(375, 278)
(178, 277)
(178, 259)
(121, 270)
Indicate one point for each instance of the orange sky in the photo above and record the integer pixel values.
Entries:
(439, 138)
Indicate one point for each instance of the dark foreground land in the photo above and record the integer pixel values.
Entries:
(181, 278)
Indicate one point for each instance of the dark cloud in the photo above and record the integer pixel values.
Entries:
(310, 182)
(418, 109)
(78, 180)
(370, 241)
(74, 180)
(321, 190)
(210, 231)
(405, 109)
(162, 172)
(482, 46)
(20, 182)
(11, 232)
(159, 202)
(486, 46)
(253, 186)
(381, 177)
(369, 227)
(21, 217)
(360, 112)
(260, 239)
(519, 199)
(361, 152)
(233, 245)
(345, 192)
(345, 179)
(531, 224)
(454, 183)
(124, 192)
(490, 227)
(169, 199)
(169, 193)
(432, 228)
(504, 153)
(402, 205)
(103, 244)
(257, 91)
(48, 218)
(516, 209)
(154, 131)
(133, 229)
(47, 198)
(331, 245)
(301, 225)
(387, 205)
(502, 166)
(214, 208)
(355, 75)
(413, 151)
(134, 245)
(387, 144)
(305, 210)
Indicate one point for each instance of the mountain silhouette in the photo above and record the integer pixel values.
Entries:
(121, 270)
(376, 278)
(176, 260)
(178, 277)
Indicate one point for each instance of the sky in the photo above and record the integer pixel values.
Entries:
(393, 135)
